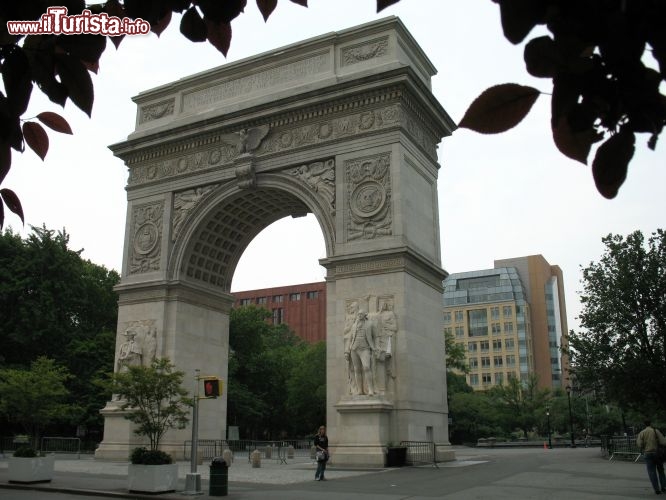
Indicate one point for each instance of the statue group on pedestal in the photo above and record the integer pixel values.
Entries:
(368, 349)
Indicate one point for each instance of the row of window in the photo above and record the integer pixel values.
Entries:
(279, 299)
(481, 331)
(487, 378)
(498, 362)
(484, 345)
(478, 314)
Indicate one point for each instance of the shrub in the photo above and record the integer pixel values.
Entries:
(143, 456)
(26, 452)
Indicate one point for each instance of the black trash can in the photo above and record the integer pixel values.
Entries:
(218, 485)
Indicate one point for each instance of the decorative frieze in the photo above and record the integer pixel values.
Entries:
(364, 51)
(368, 182)
(146, 243)
(290, 73)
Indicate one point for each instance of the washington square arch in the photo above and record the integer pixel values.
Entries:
(343, 126)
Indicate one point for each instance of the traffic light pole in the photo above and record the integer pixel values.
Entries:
(193, 479)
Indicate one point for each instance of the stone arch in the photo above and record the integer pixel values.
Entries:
(343, 126)
(231, 217)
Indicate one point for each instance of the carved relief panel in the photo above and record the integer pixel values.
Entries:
(369, 332)
(368, 182)
(183, 203)
(319, 177)
(140, 345)
(146, 238)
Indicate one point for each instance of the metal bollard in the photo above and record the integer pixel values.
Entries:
(290, 452)
(228, 456)
(255, 458)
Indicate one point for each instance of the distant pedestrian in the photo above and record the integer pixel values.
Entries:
(648, 442)
(321, 451)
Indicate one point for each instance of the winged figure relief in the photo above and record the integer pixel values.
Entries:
(246, 140)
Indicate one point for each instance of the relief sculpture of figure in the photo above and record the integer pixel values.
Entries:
(130, 352)
(387, 328)
(350, 319)
(360, 351)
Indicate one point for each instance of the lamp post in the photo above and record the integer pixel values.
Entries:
(550, 444)
(573, 442)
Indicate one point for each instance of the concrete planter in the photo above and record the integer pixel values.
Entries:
(31, 469)
(152, 478)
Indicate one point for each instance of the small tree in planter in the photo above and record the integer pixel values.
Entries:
(156, 402)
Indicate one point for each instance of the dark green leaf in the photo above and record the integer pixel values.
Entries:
(499, 108)
(219, 35)
(17, 78)
(266, 7)
(12, 202)
(192, 26)
(36, 138)
(611, 162)
(303, 3)
(161, 24)
(382, 4)
(5, 159)
(520, 16)
(575, 145)
(55, 122)
(541, 58)
(76, 78)
(88, 48)
(221, 12)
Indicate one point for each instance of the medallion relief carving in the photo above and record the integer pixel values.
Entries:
(146, 243)
(183, 203)
(368, 182)
(320, 178)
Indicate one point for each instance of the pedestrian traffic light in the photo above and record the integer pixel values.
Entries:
(212, 387)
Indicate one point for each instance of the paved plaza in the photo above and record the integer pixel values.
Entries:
(478, 473)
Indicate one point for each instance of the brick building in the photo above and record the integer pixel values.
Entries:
(302, 307)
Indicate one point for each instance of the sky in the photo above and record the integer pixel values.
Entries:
(500, 196)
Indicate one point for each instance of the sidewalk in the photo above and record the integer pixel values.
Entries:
(478, 473)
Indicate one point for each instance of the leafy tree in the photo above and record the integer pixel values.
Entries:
(522, 402)
(261, 361)
(594, 57)
(456, 358)
(58, 305)
(621, 351)
(306, 390)
(155, 398)
(35, 398)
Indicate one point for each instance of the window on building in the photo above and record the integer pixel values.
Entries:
(473, 363)
(497, 344)
(472, 346)
(278, 316)
(478, 322)
(507, 311)
(499, 378)
(294, 297)
(510, 360)
(278, 299)
(496, 328)
(508, 328)
(486, 379)
(485, 346)
(494, 312)
(312, 295)
(460, 331)
(485, 361)
(261, 300)
(245, 302)
(447, 316)
(474, 379)
(497, 361)
(459, 316)
(509, 344)
(447, 330)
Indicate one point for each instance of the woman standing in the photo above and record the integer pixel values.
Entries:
(321, 445)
